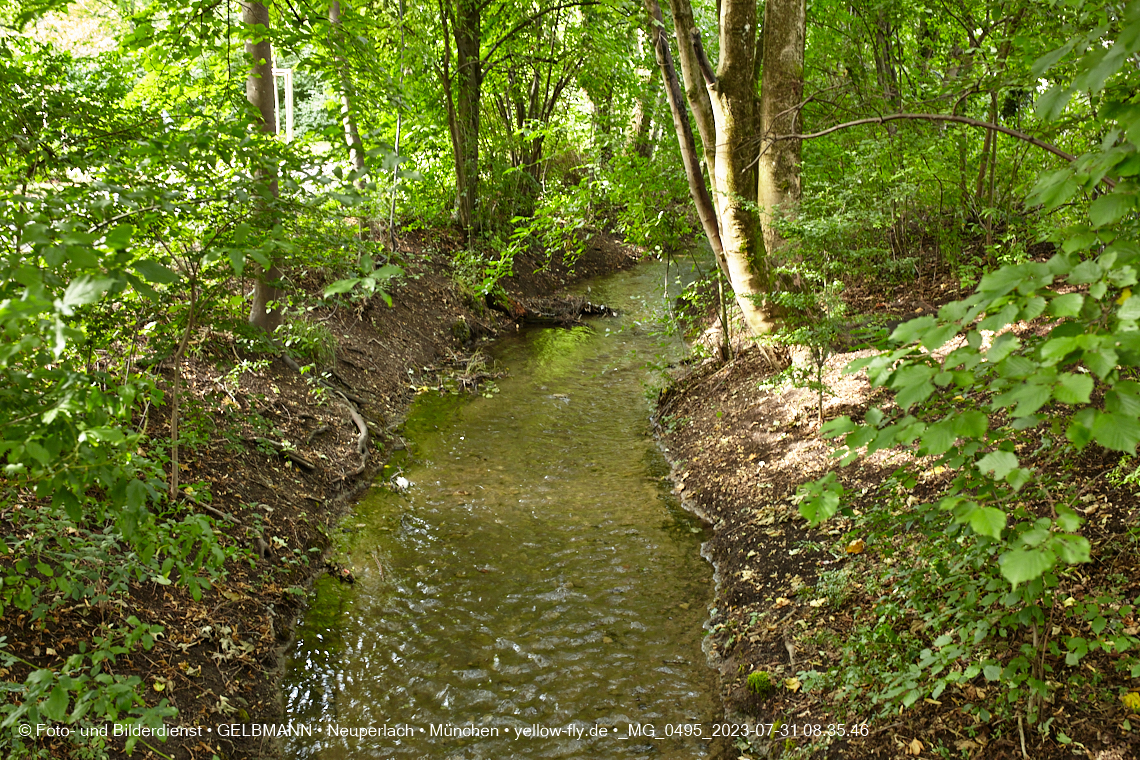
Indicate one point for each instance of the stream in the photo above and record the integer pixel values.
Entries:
(536, 591)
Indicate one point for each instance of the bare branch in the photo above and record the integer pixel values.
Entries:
(943, 117)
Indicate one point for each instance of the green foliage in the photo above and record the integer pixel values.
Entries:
(479, 274)
(647, 202)
(1005, 414)
(815, 318)
(308, 340)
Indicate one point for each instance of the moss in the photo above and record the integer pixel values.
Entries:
(760, 683)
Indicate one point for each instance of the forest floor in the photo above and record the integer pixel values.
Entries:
(791, 600)
(219, 658)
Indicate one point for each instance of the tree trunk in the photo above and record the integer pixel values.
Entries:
(697, 189)
(732, 96)
(259, 90)
(731, 225)
(469, 81)
(686, 28)
(781, 90)
(643, 112)
(351, 133)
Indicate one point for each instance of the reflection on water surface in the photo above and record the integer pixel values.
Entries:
(538, 576)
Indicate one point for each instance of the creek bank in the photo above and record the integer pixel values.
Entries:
(739, 447)
(278, 455)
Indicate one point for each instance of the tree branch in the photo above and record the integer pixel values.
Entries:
(702, 58)
(942, 117)
(530, 20)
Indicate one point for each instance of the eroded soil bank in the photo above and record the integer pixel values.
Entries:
(219, 658)
(791, 599)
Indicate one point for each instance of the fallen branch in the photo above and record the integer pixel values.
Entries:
(212, 510)
(357, 419)
(551, 311)
(284, 450)
(322, 429)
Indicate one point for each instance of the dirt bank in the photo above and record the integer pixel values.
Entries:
(278, 456)
(792, 601)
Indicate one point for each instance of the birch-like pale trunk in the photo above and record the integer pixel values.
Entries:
(351, 132)
(259, 87)
(731, 94)
(781, 91)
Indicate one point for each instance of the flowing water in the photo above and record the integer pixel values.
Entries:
(536, 577)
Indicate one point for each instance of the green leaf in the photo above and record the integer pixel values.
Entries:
(1130, 309)
(992, 672)
(1068, 305)
(1101, 361)
(971, 424)
(937, 337)
(1111, 208)
(1099, 65)
(1052, 103)
(86, 289)
(1047, 61)
(819, 499)
(1000, 463)
(908, 332)
(938, 438)
(837, 427)
(55, 707)
(912, 384)
(152, 271)
(1073, 389)
(1054, 189)
(1124, 398)
(988, 521)
(119, 238)
(1072, 549)
(1116, 431)
(342, 286)
(1021, 565)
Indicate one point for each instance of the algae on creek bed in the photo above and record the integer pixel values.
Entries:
(538, 571)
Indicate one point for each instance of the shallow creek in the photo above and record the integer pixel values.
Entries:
(538, 574)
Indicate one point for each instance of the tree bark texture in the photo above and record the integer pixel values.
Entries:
(685, 28)
(259, 90)
(732, 96)
(781, 91)
(697, 189)
(469, 82)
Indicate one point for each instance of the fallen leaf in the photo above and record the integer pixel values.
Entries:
(782, 602)
(914, 748)
(792, 684)
(1131, 700)
(856, 546)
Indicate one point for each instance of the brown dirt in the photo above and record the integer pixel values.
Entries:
(220, 658)
(739, 450)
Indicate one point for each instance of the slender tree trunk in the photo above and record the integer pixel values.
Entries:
(642, 121)
(731, 225)
(469, 82)
(697, 189)
(351, 133)
(686, 29)
(259, 90)
(781, 91)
